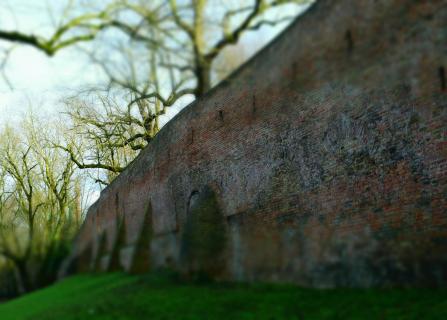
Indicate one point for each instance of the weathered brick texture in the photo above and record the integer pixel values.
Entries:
(327, 154)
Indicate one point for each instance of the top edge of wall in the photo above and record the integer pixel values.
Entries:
(313, 7)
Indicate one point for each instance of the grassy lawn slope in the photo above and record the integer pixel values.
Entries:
(164, 296)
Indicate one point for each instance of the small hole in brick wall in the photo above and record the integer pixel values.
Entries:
(192, 135)
(442, 78)
(221, 115)
(192, 197)
(349, 41)
(117, 200)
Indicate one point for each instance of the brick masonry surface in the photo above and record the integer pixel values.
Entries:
(322, 161)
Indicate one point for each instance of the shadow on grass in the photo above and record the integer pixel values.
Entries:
(166, 295)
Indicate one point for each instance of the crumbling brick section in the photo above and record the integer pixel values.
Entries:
(326, 157)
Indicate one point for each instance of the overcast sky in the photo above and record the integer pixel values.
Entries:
(39, 81)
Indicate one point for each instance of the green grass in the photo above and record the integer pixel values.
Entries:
(164, 296)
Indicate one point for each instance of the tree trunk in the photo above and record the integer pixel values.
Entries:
(23, 277)
(203, 73)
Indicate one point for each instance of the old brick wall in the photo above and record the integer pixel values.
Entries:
(326, 154)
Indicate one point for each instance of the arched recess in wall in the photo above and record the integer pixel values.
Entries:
(98, 265)
(141, 258)
(204, 235)
(115, 263)
(84, 260)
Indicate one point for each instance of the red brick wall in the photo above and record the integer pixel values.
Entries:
(327, 153)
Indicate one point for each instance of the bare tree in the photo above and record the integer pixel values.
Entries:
(153, 54)
(105, 138)
(179, 32)
(39, 209)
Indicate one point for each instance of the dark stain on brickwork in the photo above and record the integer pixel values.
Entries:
(253, 105)
(83, 262)
(101, 252)
(115, 263)
(414, 120)
(349, 41)
(117, 200)
(204, 236)
(141, 258)
(294, 67)
(424, 200)
(442, 78)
